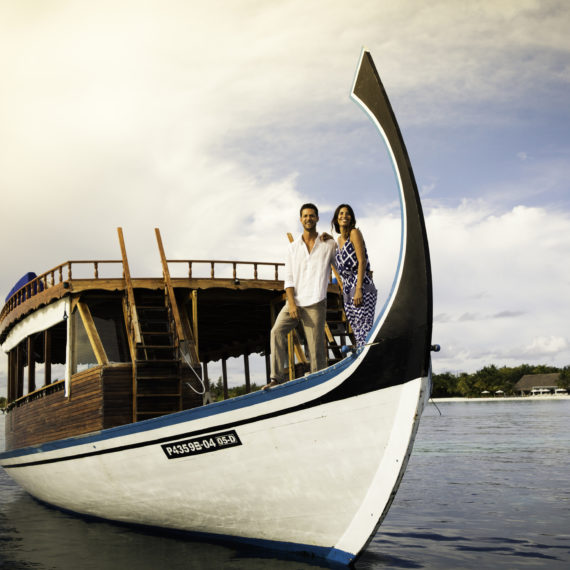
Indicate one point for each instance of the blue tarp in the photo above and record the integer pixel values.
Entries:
(30, 276)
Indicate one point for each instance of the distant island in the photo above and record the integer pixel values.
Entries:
(505, 381)
(490, 381)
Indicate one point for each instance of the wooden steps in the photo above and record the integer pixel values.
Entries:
(337, 329)
(157, 370)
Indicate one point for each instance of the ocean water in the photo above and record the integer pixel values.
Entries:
(487, 486)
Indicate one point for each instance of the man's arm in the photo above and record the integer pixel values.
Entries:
(290, 284)
(290, 292)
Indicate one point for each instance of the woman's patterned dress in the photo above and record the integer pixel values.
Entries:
(360, 318)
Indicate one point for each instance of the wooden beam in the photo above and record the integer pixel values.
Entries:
(20, 372)
(31, 365)
(173, 304)
(130, 339)
(191, 327)
(291, 351)
(225, 378)
(47, 357)
(299, 352)
(11, 369)
(267, 366)
(195, 318)
(92, 333)
(333, 344)
(206, 377)
(246, 369)
(134, 319)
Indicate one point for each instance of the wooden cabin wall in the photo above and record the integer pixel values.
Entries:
(117, 395)
(100, 397)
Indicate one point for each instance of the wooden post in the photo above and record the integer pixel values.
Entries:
(47, 357)
(290, 345)
(225, 378)
(19, 372)
(206, 377)
(267, 365)
(173, 304)
(299, 352)
(195, 318)
(246, 369)
(136, 330)
(92, 334)
(31, 366)
(130, 338)
(10, 389)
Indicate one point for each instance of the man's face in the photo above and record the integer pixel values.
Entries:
(309, 219)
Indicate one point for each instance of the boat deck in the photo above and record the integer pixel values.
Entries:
(80, 376)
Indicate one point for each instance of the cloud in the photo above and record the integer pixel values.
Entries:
(446, 318)
(214, 121)
(543, 346)
(508, 314)
(516, 257)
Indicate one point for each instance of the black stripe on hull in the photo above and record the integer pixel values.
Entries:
(404, 338)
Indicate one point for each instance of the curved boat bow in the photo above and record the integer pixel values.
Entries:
(310, 466)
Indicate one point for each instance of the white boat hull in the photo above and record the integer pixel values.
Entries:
(309, 466)
(318, 478)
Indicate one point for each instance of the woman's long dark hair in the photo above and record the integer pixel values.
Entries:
(334, 222)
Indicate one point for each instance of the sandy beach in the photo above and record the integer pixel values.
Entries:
(505, 398)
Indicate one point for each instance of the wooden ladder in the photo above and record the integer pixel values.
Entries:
(158, 378)
(155, 337)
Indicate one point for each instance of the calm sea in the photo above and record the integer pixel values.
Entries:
(487, 487)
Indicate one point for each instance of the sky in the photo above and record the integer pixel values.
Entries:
(214, 121)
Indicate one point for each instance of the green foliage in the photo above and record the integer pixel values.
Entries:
(2, 402)
(491, 379)
(217, 390)
(564, 381)
(449, 384)
(445, 386)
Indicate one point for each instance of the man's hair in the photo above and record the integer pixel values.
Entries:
(309, 206)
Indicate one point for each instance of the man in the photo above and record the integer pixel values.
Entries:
(307, 272)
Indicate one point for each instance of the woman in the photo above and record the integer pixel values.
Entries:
(353, 266)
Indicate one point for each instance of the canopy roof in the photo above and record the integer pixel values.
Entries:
(530, 381)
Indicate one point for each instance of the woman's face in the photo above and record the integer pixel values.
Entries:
(344, 218)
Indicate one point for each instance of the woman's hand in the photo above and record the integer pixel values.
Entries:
(357, 299)
(325, 237)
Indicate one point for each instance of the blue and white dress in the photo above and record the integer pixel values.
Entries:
(360, 318)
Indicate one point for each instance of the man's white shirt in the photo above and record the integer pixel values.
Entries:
(309, 273)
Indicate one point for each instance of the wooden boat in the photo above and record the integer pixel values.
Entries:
(119, 430)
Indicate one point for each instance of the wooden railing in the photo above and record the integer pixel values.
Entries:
(131, 315)
(65, 273)
(234, 265)
(59, 274)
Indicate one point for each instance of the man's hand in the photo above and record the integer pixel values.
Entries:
(293, 311)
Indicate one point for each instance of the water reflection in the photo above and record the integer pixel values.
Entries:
(34, 535)
(486, 487)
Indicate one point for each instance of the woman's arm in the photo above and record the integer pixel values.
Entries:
(358, 242)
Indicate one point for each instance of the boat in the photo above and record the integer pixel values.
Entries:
(108, 413)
